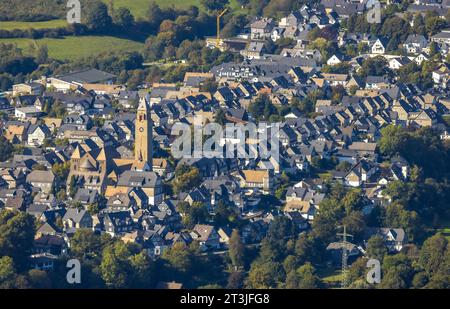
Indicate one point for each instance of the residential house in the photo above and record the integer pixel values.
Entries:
(37, 134)
(77, 219)
(27, 89)
(360, 173)
(394, 238)
(206, 236)
(117, 223)
(303, 200)
(256, 179)
(415, 44)
(261, 28)
(149, 182)
(379, 46)
(42, 180)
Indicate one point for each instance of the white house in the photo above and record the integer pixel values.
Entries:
(379, 47)
(277, 33)
(442, 38)
(23, 113)
(334, 60)
(37, 135)
(421, 58)
(397, 63)
(441, 76)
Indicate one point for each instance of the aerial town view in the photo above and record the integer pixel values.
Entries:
(199, 145)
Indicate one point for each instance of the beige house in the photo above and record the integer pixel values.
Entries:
(27, 89)
(256, 179)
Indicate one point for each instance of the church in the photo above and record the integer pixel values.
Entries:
(105, 171)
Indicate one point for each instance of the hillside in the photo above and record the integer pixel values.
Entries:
(72, 48)
(32, 10)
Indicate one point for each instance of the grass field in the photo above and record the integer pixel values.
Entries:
(22, 25)
(77, 47)
(139, 7)
(72, 47)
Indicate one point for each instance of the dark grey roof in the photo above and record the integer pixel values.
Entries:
(74, 214)
(89, 76)
(138, 179)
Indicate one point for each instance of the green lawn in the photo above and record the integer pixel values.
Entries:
(22, 25)
(77, 47)
(330, 276)
(139, 7)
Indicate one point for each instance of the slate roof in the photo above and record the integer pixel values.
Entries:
(89, 76)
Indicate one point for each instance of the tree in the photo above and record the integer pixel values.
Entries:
(235, 280)
(307, 277)
(219, 117)
(186, 178)
(180, 258)
(154, 14)
(61, 171)
(97, 18)
(376, 248)
(303, 278)
(392, 139)
(264, 275)
(142, 270)
(290, 263)
(262, 108)
(85, 244)
(209, 85)
(419, 24)
(356, 275)
(115, 267)
(376, 66)
(397, 272)
(214, 5)
(39, 279)
(397, 215)
(236, 249)
(16, 236)
(123, 17)
(7, 273)
(193, 214)
(433, 254)
(72, 187)
(42, 54)
(6, 149)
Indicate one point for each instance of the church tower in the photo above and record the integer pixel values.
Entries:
(143, 149)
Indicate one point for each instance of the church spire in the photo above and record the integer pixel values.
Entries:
(143, 136)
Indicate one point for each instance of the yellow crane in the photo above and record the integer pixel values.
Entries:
(218, 26)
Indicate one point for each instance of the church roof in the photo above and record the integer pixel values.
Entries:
(77, 153)
(87, 165)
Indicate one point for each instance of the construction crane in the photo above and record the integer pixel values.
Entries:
(218, 26)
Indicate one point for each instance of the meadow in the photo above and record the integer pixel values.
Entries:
(74, 47)
(22, 25)
(139, 7)
(70, 48)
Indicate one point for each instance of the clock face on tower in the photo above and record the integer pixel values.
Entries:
(141, 129)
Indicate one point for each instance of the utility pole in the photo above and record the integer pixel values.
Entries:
(344, 256)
